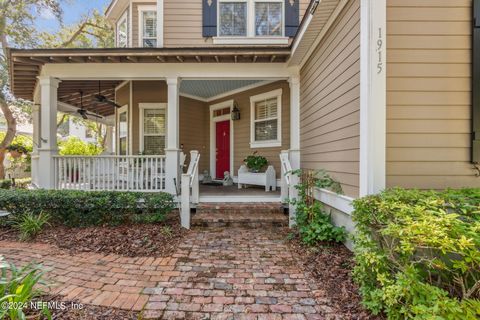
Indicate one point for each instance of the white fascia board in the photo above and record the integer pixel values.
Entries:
(157, 71)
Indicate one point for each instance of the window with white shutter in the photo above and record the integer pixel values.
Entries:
(153, 128)
(266, 119)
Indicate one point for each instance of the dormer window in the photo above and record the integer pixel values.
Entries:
(122, 31)
(268, 19)
(233, 18)
(148, 26)
(250, 18)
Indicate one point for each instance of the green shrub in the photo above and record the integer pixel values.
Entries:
(75, 146)
(84, 208)
(29, 224)
(18, 286)
(23, 183)
(5, 184)
(418, 253)
(313, 224)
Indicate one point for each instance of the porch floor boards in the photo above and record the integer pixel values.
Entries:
(209, 190)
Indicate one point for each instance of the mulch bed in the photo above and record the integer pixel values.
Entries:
(68, 310)
(331, 265)
(134, 240)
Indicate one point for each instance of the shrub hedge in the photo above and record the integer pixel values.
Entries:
(84, 208)
(418, 253)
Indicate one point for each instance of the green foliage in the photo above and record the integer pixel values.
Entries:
(255, 162)
(84, 208)
(23, 183)
(18, 286)
(75, 146)
(314, 225)
(418, 253)
(29, 224)
(20, 143)
(5, 184)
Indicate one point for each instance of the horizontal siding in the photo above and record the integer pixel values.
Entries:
(429, 94)
(330, 102)
(194, 130)
(183, 23)
(241, 127)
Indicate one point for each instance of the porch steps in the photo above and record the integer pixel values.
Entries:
(251, 215)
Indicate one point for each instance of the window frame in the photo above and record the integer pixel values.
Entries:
(123, 19)
(260, 97)
(141, 38)
(250, 20)
(123, 109)
(150, 106)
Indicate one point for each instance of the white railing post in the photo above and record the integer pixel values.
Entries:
(185, 201)
(284, 172)
(195, 156)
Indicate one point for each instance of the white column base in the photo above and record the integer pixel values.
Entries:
(172, 170)
(46, 169)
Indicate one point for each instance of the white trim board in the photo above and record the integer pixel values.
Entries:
(213, 143)
(337, 201)
(373, 100)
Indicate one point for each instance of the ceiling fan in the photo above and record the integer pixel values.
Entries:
(83, 112)
(100, 98)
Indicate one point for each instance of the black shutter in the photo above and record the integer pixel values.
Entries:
(209, 28)
(476, 83)
(292, 13)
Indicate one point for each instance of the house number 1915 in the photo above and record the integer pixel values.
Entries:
(380, 51)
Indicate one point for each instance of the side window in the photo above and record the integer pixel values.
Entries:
(122, 31)
(266, 110)
(149, 29)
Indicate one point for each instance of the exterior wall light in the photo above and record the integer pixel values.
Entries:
(235, 112)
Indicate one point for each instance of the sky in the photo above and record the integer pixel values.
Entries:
(73, 11)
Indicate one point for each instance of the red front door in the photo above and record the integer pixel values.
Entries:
(223, 148)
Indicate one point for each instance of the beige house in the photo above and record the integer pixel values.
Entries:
(377, 92)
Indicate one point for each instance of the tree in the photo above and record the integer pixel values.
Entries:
(17, 19)
(17, 28)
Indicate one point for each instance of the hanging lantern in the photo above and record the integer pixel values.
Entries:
(235, 112)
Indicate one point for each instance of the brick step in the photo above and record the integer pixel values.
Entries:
(252, 215)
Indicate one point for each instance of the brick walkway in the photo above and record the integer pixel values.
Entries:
(224, 273)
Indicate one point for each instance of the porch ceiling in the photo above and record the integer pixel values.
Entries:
(207, 89)
(26, 65)
(69, 92)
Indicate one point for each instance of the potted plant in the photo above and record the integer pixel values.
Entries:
(255, 163)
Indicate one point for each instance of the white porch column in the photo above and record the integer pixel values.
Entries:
(48, 132)
(373, 84)
(109, 140)
(36, 141)
(294, 82)
(172, 151)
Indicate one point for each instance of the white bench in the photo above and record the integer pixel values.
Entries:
(267, 178)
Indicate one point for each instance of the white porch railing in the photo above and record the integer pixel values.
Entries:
(288, 183)
(189, 189)
(118, 173)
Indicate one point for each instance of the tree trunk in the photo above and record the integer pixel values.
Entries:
(9, 136)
